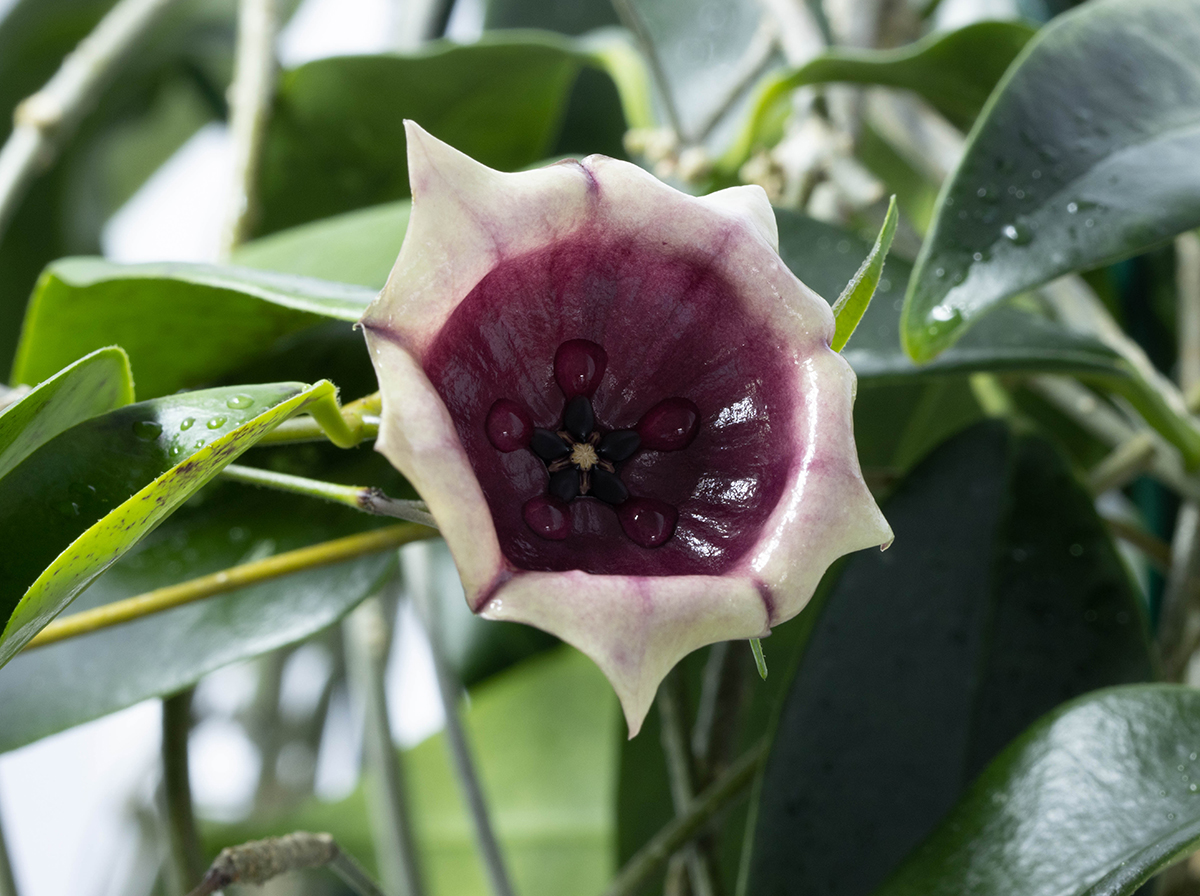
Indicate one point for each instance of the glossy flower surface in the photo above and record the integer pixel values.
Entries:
(620, 406)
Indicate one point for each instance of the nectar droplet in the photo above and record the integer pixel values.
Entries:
(147, 430)
(508, 426)
(670, 425)
(549, 517)
(579, 365)
(648, 522)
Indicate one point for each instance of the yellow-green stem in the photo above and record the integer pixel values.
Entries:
(324, 554)
(345, 426)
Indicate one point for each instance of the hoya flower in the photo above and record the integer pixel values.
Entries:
(619, 404)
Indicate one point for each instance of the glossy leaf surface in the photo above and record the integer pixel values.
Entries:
(183, 325)
(1002, 597)
(52, 688)
(336, 135)
(1085, 154)
(544, 734)
(82, 500)
(94, 384)
(1112, 775)
(826, 258)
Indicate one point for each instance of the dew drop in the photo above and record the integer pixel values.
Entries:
(215, 423)
(1072, 208)
(1018, 234)
(188, 423)
(199, 443)
(978, 256)
(944, 313)
(240, 402)
(940, 273)
(147, 430)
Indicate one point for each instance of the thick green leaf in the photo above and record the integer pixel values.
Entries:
(1085, 154)
(183, 325)
(354, 247)
(544, 738)
(826, 258)
(954, 71)
(164, 92)
(94, 384)
(1092, 800)
(82, 500)
(336, 135)
(52, 688)
(1002, 597)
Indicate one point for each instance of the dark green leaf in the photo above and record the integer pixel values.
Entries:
(336, 137)
(77, 504)
(1085, 154)
(1002, 597)
(954, 71)
(55, 687)
(826, 258)
(183, 325)
(94, 384)
(355, 247)
(1092, 800)
(545, 731)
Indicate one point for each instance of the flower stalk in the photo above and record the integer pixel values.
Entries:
(323, 554)
(187, 862)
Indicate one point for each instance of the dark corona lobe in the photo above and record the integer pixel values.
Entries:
(619, 408)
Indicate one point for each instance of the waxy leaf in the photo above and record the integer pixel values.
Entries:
(52, 688)
(1092, 800)
(336, 136)
(183, 325)
(1002, 597)
(1084, 155)
(354, 247)
(94, 384)
(826, 258)
(82, 500)
(954, 71)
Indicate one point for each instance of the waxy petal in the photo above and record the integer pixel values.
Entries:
(691, 306)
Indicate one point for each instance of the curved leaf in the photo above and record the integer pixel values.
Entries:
(94, 384)
(183, 325)
(954, 71)
(1084, 155)
(336, 136)
(83, 499)
(1002, 597)
(1093, 799)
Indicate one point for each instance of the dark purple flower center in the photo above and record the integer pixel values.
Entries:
(582, 459)
(581, 347)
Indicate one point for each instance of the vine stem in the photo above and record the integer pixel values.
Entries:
(367, 633)
(365, 498)
(647, 860)
(356, 421)
(312, 557)
(250, 105)
(45, 120)
(417, 568)
(187, 862)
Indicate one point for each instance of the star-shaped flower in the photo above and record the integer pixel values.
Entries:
(619, 404)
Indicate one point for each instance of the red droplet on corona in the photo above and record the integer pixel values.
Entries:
(508, 426)
(648, 522)
(548, 516)
(579, 365)
(670, 425)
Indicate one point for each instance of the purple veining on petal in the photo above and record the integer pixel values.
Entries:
(670, 327)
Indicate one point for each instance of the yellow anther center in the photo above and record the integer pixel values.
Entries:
(584, 456)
